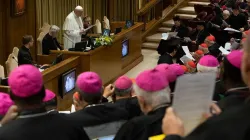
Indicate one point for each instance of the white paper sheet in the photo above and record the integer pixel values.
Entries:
(187, 39)
(231, 30)
(89, 28)
(185, 49)
(164, 36)
(224, 51)
(187, 52)
(185, 59)
(64, 112)
(192, 97)
(228, 46)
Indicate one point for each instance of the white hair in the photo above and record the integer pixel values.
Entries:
(201, 68)
(79, 8)
(54, 28)
(226, 12)
(154, 98)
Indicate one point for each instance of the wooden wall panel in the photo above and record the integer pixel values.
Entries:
(2, 31)
(16, 27)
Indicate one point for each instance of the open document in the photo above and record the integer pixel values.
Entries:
(192, 98)
(185, 59)
(91, 26)
(231, 30)
(224, 51)
(187, 52)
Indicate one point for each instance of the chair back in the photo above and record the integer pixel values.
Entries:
(43, 31)
(11, 63)
(107, 129)
(2, 75)
(15, 51)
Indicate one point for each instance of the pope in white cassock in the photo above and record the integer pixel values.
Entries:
(73, 28)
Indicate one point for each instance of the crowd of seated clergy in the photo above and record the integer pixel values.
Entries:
(140, 109)
(126, 110)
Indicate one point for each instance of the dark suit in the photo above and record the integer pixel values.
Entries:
(41, 127)
(49, 43)
(24, 56)
(201, 36)
(165, 59)
(234, 98)
(182, 31)
(131, 105)
(143, 127)
(239, 21)
(99, 114)
(233, 124)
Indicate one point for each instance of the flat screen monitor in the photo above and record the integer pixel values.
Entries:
(59, 58)
(129, 23)
(106, 32)
(118, 30)
(125, 48)
(107, 138)
(68, 81)
(81, 46)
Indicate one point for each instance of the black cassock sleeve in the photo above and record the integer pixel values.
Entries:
(46, 47)
(126, 132)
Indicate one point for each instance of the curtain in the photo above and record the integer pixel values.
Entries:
(125, 10)
(54, 12)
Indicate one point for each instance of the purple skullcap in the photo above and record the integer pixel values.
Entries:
(177, 69)
(89, 82)
(152, 80)
(123, 83)
(209, 61)
(168, 71)
(235, 58)
(49, 95)
(25, 81)
(5, 103)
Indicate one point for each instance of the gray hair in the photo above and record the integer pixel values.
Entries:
(226, 12)
(154, 99)
(120, 92)
(54, 28)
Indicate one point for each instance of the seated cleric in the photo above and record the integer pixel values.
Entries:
(24, 55)
(50, 42)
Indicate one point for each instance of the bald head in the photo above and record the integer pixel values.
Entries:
(78, 11)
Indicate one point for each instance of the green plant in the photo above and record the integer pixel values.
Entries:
(104, 41)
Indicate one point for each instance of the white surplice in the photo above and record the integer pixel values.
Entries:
(72, 28)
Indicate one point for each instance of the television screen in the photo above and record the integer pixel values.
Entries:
(68, 79)
(106, 32)
(125, 48)
(107, 138)
(129, 23)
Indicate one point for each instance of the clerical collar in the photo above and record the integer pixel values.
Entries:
(32, 113)
(93, 105)
(159, 107)
(238, 88)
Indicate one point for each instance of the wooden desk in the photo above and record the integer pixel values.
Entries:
(4, 89)
(107, 61)
(51, 78)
